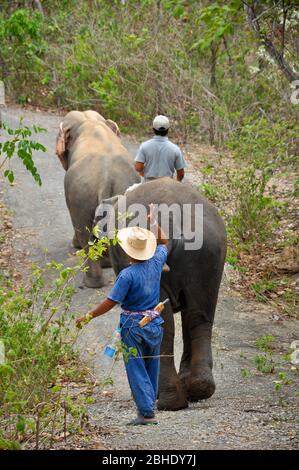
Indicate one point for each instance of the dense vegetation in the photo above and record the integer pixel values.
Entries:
(42, 378)
(200, 62)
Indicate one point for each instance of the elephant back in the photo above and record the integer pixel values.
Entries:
(193, 271)
(94, 115)
(187, 211)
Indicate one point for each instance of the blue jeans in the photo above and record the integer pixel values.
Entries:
(143, 372)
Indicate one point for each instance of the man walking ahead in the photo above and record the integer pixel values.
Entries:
(159, 156)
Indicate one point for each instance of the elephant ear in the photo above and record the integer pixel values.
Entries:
(67, 129)
(113, 126)
(61, 143)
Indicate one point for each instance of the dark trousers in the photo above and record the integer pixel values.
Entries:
(143, 370)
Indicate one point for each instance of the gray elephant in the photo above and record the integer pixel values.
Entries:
(97, 167)
(191, 284)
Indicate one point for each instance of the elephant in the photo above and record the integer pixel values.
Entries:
(97, 166)
(191, 283)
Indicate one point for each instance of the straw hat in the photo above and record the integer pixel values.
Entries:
(137, 242)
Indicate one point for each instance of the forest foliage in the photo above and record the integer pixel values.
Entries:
(200, 62)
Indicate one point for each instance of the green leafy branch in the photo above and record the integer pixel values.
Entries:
(219, 21)
(21, 145)
(266, 364)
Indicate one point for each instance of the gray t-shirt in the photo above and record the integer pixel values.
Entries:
(160, 157)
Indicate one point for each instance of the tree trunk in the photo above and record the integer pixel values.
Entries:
(38, 6)
(214, 49)
(288, 72)
(278, 56)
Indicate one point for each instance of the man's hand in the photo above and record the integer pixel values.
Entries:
(155, 227)
(151, 216)
(139, 167)
(83, 320)
(102, 308)
(180, 174)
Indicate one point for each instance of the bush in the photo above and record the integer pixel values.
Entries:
(253, 215)
(22, 51)
(39, 362)
(263, 141)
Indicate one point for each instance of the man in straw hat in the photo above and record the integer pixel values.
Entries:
(137, 290)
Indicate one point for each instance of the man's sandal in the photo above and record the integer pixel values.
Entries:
(141, 420)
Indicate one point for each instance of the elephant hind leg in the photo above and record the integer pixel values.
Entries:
(196, 364)
(172, 396)
(105, 260)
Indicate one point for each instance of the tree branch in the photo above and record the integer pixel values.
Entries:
(38, 6)
(278, 56)
(285, 13)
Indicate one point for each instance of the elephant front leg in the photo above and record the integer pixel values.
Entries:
(197, 363)
(94, 275)
(172, 395)
(76, 243)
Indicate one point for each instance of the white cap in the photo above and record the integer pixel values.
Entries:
(161, 123)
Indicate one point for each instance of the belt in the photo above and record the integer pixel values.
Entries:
(151, 178)
(146, 313)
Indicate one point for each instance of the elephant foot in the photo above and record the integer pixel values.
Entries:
(93, 282)
(201, 387)
(172, 398)
(75, 242)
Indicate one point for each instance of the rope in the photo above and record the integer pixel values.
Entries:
(138, 357)
(153, 357)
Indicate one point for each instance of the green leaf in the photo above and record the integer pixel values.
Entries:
(11, 177)
(6, 369)
(178, 11)
(56, 388)
(21, 424)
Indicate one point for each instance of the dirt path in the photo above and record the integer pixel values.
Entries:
(244, 413)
